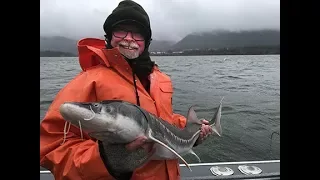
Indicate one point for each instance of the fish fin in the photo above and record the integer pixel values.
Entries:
(216, 126)
(170, 149)
(192, 116)
(150, 154)
(193, 153)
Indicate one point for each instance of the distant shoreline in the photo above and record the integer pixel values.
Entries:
(211, 54)
(56, 54)
(187, 55)
(225, 51)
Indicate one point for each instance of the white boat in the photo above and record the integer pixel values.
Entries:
(269, 169)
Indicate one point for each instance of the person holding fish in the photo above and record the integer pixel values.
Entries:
(118, 67)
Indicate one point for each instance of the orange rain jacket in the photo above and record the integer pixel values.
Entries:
(105, 75)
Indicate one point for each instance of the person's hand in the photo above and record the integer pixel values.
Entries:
(206, 130)
(140, 142)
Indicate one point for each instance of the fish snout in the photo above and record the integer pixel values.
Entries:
(65, 111)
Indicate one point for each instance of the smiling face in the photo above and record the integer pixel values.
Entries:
(129, 40)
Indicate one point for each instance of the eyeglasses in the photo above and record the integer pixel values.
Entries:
(122, 33)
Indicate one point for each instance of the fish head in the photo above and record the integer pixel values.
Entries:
(91, 116)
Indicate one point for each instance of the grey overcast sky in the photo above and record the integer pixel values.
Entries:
(170, 19)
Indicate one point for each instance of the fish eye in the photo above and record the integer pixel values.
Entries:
(95, 105)
(109, 109)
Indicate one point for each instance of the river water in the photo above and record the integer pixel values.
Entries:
(249, 84)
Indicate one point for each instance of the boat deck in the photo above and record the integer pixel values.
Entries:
(222, 170)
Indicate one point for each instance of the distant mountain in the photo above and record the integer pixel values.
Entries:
(228, 39)
(157, 45)
(56, 54)
(206, 40)
(58, 43)
(63, 44)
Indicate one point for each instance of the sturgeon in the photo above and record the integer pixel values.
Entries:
(115, 123)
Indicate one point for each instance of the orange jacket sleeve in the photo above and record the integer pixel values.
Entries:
(75, 158)
(179, 120)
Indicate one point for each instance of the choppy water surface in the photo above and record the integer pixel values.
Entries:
(251, 106)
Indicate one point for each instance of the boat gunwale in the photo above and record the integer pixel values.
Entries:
(209, 164)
